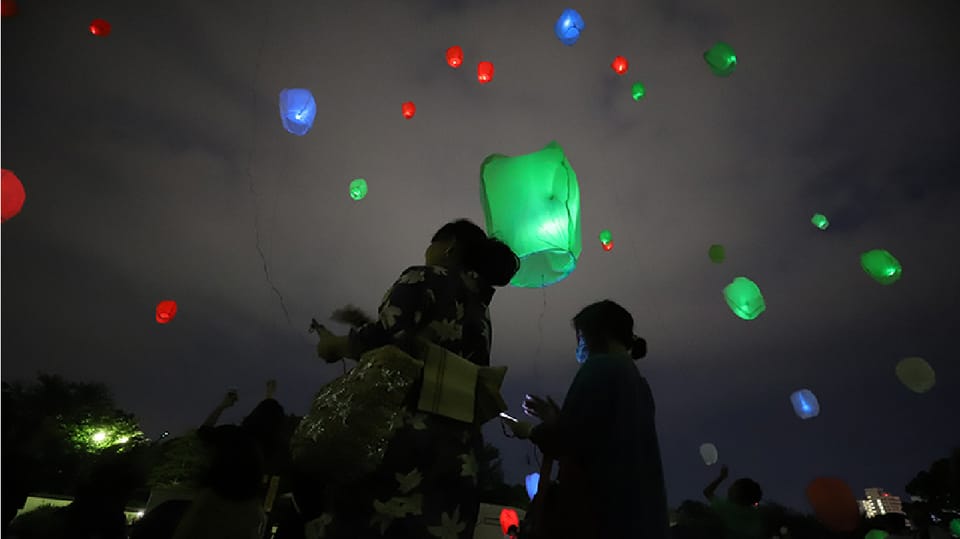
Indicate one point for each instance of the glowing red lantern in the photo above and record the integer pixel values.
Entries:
(485, 72)
(8, 8)
(607, 246)
(12, 194)
(100, 27)
(455, 56)
(409, 109)
(166, 310)
(509, 519)
(834, 504)
(620, 65)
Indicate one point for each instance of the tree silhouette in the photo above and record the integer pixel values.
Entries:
(53, 430)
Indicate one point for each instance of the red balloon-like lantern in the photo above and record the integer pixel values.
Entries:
(620, 65)
(485, 72)
(508, 520)
(607, 246)
(8, 8)
(834, 504)
(12, 195)
(408, 109)
(166, 310)
(100, 27)
(455, 56)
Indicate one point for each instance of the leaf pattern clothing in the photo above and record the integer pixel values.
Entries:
(426, 487)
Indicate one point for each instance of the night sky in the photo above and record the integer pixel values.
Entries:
(149, 156)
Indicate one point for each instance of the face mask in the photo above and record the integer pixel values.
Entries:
(582, 351)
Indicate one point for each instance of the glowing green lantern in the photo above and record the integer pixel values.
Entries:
(358, 189)
(638, 91)
(532, 203)
(606, 237)
(721, 59)
(877, 534)
(819, 220)
(955, 527)
(744, 298)
(882, 266)
(717, 253)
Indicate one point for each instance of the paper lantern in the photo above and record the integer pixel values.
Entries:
(606, 240)
(532, 203)
(744, 298)
(721, 59)
(709, 454)
(455, 56)
(820, 221)
(568, 27)
(805, 404)
(408, 109)
(509, 519)
(881, 266)
(717, 253)
(358, 189)
(8, 8)
(12, 195)
(638, 91)
(100, 27)
(533, 483)
(834, 504)
(166, 310)
(485, 72)
(876, 534)
(955, 527)
(297, 110)
(619, 65)
(916, 374)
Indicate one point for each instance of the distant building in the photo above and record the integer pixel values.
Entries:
(879, 503)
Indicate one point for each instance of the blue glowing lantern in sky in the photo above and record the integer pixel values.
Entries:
(805, 404)
(532, 203)
(297, 110)
(533, 482)
(569, 27)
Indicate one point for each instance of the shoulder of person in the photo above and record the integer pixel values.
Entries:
(426, 272)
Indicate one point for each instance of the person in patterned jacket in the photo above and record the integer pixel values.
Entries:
(426, 485)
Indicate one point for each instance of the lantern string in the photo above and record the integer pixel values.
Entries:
(250, 156)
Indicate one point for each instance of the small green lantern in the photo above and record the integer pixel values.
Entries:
(881, 266)
(638, 91)
(717, 253)
(820, 221)
(358, 189)
(722, 59)
(744, 298)
(532, 203)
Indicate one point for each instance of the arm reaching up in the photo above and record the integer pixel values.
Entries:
(709, 491)
(228, 400)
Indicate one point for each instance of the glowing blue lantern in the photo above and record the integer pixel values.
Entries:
(533, 481)
(805, 404)
(297, 110)
(568, 27)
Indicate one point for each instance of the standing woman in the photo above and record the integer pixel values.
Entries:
(426, 484)
(605, 437)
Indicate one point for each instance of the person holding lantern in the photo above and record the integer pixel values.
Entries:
(611, 481)
(399, 459)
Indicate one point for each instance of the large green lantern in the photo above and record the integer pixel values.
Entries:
(532, 203)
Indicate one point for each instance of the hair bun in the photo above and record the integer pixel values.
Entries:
(638, 349)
